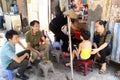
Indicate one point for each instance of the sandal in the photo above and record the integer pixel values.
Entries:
(117, 73)
(101, 71)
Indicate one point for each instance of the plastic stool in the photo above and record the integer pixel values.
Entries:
(57, 53)
(9, 73)
(66, 57)
(46, 67)
(85, 64)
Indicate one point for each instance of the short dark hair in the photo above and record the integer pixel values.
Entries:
(86, 5)
(9, 34)
(85, 34)
(101, 22)
(32, 23)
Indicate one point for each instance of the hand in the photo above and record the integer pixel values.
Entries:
(27, 55)
(39, 54)
(27, 48)
(94, 51)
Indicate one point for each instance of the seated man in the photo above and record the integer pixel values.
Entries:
(33, 37)
(9, 59)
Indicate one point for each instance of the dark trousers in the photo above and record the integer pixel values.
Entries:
(22, 66)
(1, 22)
(60, 35)
(104, 53)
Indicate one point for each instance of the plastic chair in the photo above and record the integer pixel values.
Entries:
(9, 73)
(85, 64)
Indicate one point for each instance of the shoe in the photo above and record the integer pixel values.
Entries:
(25, 76)
(29, 67)
(22, 77)
(66, 54)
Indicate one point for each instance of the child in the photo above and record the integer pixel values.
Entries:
(85, 47)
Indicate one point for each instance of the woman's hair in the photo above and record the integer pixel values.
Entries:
(85, 34)
(101, 22)
(9, 34)
(32, 23)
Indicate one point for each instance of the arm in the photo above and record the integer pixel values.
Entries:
(20, 59)
(79, 49)
(73, 27)
(95, 45)
(43, 38)
(100, 48)
(32, 49)
(28, 41)
(105, 44)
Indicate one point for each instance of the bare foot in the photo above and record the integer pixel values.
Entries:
(67, 64)
(117, 73)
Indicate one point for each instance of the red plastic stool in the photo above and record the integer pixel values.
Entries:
(85, 64)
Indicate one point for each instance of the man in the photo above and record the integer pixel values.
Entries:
(9, 59)
(33, 38)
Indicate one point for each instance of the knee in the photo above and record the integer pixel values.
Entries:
(28, 51)
(47, 46)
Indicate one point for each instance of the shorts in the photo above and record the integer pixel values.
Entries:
(79, 58)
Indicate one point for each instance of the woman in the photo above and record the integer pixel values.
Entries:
(102, 43)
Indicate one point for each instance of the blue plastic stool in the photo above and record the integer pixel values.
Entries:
(9, 73)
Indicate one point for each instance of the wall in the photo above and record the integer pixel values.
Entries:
(115, 10)
(44, 14)
(104, 9)
(33, 10)
(4, 6)
(39, 10)
(99, 9)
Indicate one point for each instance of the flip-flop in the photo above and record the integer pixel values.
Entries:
(101, 71)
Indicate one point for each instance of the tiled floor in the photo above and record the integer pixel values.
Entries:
(61, 71)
